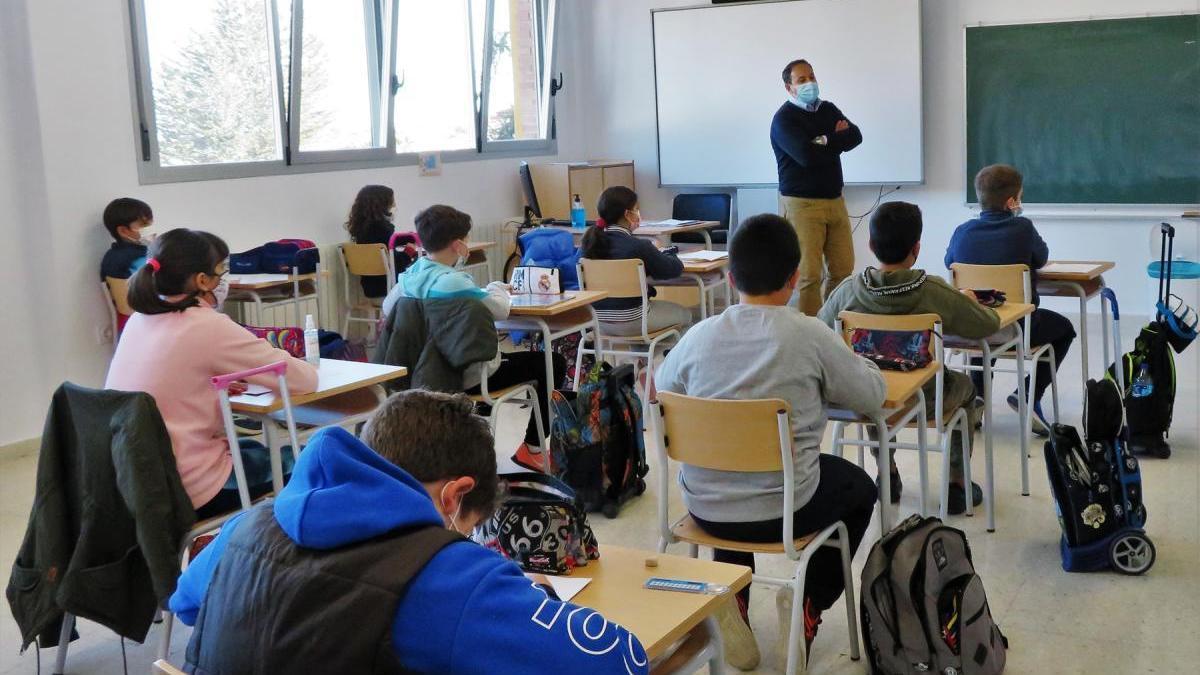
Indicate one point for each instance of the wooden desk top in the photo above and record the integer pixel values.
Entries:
(701, 267)
(1098, 267)
(652, 230)
(333, 377)
(1011, 312)
(901, 386)
(571, 300)
(474, 246)
(257, 282)
(657, 618)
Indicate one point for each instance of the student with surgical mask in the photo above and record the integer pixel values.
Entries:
(809, 135)
(173, 345)
(444, 231)
(360, 565)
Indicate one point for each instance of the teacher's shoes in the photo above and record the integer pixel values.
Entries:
(741, 649)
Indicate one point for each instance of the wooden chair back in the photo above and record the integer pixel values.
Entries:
(366, 260)
(118, 290)
(725, 435)
(902, 322)
(161, 667)
(621, 278)
(1012, 279)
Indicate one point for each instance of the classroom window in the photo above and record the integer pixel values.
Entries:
(229, 88)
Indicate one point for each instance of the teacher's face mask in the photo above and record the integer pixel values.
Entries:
(807, 93)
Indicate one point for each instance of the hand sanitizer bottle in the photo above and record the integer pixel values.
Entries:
(578, 215)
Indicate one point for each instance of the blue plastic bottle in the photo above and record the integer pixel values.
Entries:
(1143, 384)
(578, 215)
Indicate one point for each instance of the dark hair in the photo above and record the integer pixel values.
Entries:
(787, 70)
(996, 184)
(611, 207)
(435, 436)
(439, 225)
(180, 255)
(895, 230)
(372, 205)
(125, 211)
(763, 254)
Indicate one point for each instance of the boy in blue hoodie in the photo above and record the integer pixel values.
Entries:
(444, 231)
(316, 580)
(1001, 236)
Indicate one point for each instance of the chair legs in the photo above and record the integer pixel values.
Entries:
(64, 643)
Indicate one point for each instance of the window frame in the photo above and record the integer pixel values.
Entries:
(295, 161)
(546, 53)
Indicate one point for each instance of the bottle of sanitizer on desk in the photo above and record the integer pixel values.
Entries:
(312, 345)
(578, 215)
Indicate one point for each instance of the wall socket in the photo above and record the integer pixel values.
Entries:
(104, 335)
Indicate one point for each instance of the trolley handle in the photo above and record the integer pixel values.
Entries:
(1111, 297)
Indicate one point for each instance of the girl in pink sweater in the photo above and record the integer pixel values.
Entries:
(175, 343)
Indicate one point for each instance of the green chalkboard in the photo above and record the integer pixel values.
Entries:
(1091, 112)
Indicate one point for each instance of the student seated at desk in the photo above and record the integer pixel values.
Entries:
(125, 219)
(370, 222)
(761, 348)
(443, 231)
(896, 288)
(612, 239)
(1001, 236)
(360, 566)
(174, 344)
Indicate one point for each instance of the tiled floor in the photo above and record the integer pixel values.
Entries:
(1056, 622)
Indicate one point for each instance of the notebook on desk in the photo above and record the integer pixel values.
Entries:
(670, 222)
(704, 256)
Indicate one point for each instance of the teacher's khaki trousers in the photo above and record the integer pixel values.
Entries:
(826, 247)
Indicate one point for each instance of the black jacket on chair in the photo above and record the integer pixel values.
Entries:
(108, 518)
(436, 340)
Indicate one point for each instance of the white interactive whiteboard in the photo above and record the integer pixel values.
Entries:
(717, 71)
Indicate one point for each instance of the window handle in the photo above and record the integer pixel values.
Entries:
(556, 85)
(398, 82)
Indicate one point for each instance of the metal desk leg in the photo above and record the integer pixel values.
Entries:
(1023, 405)
(988, 417)
(716, 665)
(1104, 328)
(883, 469)
(708, 245)
(268, 427)
(922, 454)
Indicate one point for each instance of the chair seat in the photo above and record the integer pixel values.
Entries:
(638, 338)
(687, 530)
(498, 393)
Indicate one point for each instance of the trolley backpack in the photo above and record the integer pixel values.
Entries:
(923, 607)
(1149, 414)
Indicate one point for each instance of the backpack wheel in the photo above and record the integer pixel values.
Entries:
(641, 486)
(611, 508)
(1163, 451)
(1131, 553)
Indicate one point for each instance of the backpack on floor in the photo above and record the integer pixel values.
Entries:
(923, 609)
(1149, 416)
(540, 526)
(596, 439)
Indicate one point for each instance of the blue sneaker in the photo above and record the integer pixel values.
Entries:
(1040, 427)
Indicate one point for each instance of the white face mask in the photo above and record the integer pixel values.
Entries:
(221, 291)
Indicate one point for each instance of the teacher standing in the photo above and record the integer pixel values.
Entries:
(809, 136)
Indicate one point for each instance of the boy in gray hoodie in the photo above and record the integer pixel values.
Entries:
(896, 288)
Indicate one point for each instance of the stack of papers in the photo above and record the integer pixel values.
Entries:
(670, 222)
(1066, 268)
(704, 256)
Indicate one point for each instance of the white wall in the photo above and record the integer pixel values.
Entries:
(67, 147)
(616, 60)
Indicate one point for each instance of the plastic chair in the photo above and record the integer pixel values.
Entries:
(1015, 282)
(116, 294)
(364, 260)
(622, 279)
(716, 206)
(945, 423)
(705, 433)
(221, 384)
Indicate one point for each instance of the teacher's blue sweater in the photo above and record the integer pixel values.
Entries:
(807, 169)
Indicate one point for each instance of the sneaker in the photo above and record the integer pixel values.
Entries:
(979, 406)
(526, 458)
(958, 498)
(741, 650)
(812, 619)
(897, 487)
(1040, 427)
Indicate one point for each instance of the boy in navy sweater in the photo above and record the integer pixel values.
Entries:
(1001, 236)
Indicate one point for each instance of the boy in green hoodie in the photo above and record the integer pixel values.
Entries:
(896, 288)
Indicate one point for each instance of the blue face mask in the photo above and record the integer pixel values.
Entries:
(807, 93)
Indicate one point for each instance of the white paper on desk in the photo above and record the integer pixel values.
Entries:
(257, 278)
(666, 223)
(566, 587)
(704, 256)
(1067, 268)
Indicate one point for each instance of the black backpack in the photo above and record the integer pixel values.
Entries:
(1149, 417)
(596, 439)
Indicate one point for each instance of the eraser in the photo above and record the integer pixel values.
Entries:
(652, 561)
